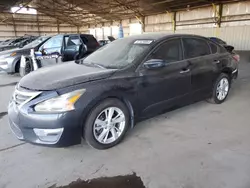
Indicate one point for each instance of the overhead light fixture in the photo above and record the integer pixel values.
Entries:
(23, 10)
(188, 7)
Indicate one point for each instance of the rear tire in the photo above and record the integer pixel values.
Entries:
(221, 89)
(118, 122)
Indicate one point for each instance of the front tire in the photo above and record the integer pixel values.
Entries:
(106, 124)
(221, 89)
(28, 68)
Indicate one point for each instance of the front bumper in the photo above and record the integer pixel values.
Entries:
(7, 64)
(46, 129)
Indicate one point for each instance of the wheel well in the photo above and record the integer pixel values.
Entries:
(126, 102)
(17, 66)
(129, 107)
(227, 71)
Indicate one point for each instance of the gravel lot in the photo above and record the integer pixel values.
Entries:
(198, 146)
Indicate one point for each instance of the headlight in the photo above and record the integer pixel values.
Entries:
(62, 103)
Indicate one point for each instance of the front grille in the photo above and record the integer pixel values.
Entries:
(15, 129)
(22, 97)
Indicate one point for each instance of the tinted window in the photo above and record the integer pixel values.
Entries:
(222, 49)
(214, 48)
(170, 51)
(88, 39)
(195, 47)
(54, 42)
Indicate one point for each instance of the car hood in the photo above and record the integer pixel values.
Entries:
(63, 75)
(17, 50)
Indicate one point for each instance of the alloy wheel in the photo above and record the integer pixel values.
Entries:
(222, 89)
(109, 125)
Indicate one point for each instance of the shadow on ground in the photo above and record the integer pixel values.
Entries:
(129, 181)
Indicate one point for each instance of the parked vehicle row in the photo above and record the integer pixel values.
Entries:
(100, 97)
(10, 59)
(47, 50)
(16, 43)
(60, 48)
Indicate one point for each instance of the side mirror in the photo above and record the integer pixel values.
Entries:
(229, 48)
(154, 64)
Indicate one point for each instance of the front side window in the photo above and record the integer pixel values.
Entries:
(195, 47)
(54, 42)
(169, 51)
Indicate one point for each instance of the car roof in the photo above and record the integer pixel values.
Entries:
(159, 36)
(73, 34)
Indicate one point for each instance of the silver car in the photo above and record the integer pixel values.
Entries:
(10, 59)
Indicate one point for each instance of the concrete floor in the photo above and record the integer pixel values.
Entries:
(198, 146)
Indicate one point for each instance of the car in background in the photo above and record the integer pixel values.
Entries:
(6, 42)
(18, 43)
(105, 42)
(10, 59)
(106, 93)
(60, 48)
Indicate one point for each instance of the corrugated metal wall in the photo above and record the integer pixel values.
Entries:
(235, 27)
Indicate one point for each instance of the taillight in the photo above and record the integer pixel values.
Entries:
(236, 57)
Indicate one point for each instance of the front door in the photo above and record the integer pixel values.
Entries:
(163, 88)
(51, 51)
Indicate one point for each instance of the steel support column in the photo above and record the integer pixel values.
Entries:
(14, 25)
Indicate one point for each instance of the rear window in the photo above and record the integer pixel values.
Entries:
(222, 49)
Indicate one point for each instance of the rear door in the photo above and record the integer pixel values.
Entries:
(204, 65)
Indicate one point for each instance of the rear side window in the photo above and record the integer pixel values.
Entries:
(195, 47)
(214, 48)
(169, 51)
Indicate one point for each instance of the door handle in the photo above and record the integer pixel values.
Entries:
(217, 61)
(184, 71)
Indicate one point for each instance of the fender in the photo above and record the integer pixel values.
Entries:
(14, 63)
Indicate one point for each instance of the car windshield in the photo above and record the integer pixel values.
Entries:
(118, 54)
(36, 42)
